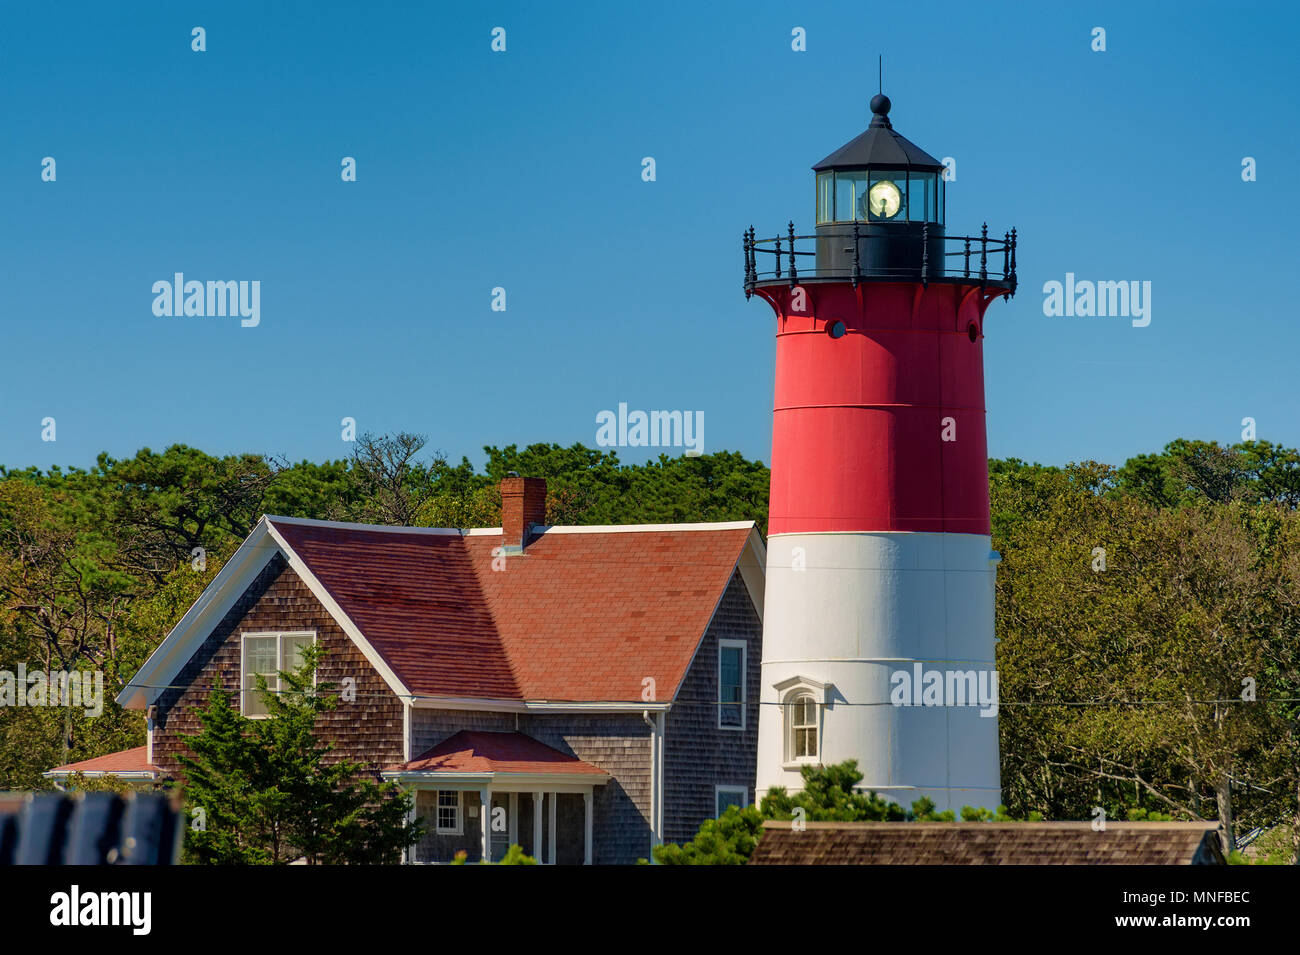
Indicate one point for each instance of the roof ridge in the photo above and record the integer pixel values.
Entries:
(489, 531)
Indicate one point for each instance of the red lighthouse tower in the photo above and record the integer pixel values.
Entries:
(878, 634)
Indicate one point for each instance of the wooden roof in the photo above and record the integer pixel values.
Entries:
(988, 843)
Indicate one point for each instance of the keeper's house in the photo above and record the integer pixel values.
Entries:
(591, 691)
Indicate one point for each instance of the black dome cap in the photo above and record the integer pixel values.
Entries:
(880, 147)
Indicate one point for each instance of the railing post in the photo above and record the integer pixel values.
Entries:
(1013, 261)
(745, 243)
(777, 273)
(984, 252)
(857, 271)
(1006, 255)
(794, 272)
(925, 254)
(967, 275)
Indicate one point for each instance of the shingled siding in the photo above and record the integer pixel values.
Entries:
(367, 731)
(620, 745)
(431, 727)
(570, 822)
(436, 847)
(697, 754)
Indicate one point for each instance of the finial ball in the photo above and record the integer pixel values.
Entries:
(880, 104)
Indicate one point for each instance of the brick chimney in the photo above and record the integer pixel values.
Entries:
(523, 504)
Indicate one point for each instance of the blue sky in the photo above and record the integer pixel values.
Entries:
(522, 170)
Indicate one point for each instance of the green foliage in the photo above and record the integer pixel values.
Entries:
(1274, 847)
(1129, 601)
(515, 855)
(79, 782)
(271, 793)
(728, 840)
(1110, 671)
(588, 486)
(1192, 472)
(828, 796)
(1139, 814)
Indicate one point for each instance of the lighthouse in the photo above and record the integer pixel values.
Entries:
(878, 641)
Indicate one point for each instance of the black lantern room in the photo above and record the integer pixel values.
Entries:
(885, 196)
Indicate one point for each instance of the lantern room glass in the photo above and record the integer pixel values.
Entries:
(898, 177)
(842, 195)
(850, 188)
(825, 197)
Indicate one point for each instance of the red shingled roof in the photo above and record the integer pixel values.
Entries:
(580, 616)
(482, 752)
(127, 761)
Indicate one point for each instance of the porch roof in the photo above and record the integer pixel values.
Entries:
(516, 754)
(128, 763)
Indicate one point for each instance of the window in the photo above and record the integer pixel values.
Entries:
(725, 796)
(804, 700)
(731, 684)
(449, 818)
(265, 654)
(803, 727)
(825, 197)
(850, 190)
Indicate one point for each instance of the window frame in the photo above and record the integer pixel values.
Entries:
(279, 636)
(743, 647)
(459, 809)
(933, 211)
(825, 189)
(721, 788)
(798, 695)
(788, 691)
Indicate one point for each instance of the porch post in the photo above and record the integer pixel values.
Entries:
(514, 819)
(537, 827)
(586, 806)
(554, 834)
(408, 852)
(485, 822)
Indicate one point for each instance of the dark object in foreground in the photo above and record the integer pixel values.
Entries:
(91, 829)
(988, 843)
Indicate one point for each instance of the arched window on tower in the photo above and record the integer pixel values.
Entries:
(803, 705)
(804, 725)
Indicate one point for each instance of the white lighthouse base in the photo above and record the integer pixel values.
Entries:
(847, 619)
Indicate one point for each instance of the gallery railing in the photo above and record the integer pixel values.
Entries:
(926, 260)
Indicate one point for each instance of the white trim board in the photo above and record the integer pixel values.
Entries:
(635, 528)
(184, 639)
(498, 782)
(98, 773)
(537, 528)
(230, 584)
(383, 528)
(490, 705)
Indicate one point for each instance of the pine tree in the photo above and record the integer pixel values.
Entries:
(267, 792)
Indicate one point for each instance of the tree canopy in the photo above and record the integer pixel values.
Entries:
(1148, 614)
